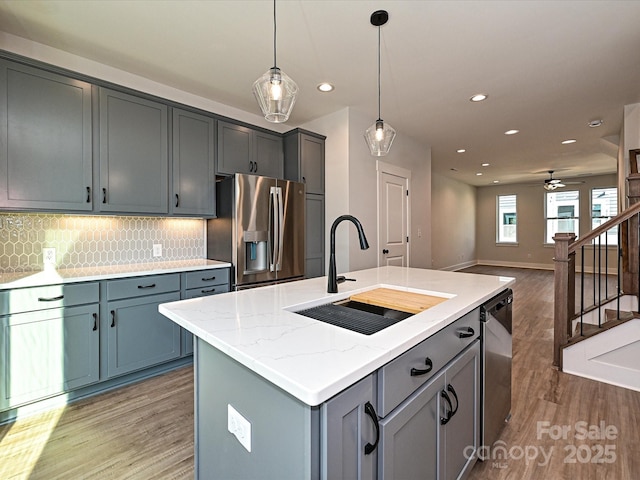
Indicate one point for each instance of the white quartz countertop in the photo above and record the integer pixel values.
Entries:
(312, 360)
(52, 276)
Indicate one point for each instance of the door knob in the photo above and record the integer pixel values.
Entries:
(385, 251)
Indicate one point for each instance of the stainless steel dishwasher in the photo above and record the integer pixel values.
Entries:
(495, 316)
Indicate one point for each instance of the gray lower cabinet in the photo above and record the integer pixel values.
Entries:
(49, 341)
(45, 133)
(138, 336)
(434, 434)
(134, 160)
(193, 164)
(244, 150)
(348, 431)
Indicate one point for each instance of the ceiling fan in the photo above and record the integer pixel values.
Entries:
(551, 183)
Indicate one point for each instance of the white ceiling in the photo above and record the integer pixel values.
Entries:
(549, 67)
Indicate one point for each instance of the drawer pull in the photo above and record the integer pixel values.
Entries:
(369, 410)
(444, 420)
(95, 321)
(466, 333)
(211, 290)
(210, 279)
(416, 371)
(151, 285)
(453, 392)
(113, 318)
(50, 299)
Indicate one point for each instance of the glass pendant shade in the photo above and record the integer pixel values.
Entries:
(379, 138)
(276, 95)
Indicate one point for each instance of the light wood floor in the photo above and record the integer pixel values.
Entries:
(145, 431)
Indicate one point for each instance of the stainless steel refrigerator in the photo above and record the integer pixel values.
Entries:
(259, 229)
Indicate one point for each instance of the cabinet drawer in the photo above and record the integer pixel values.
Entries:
(140, 286)
(207, 278)
(50, 296)
(396, 381)
(205, 291)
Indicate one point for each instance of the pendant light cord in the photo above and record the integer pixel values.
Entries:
(274, 34)
(379, 73)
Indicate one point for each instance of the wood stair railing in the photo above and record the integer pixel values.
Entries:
(627, 260)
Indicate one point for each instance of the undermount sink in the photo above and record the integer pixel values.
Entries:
(356, 316)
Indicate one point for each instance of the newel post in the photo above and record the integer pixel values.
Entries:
(564, 293)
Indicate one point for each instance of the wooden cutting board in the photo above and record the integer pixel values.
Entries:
(398, 300)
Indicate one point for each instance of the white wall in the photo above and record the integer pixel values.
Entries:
(351, 188)
(453, 223)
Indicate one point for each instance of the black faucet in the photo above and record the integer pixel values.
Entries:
(332, 286)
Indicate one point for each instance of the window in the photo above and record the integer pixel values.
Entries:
(507, 219)
(604, 206)
(562, 211)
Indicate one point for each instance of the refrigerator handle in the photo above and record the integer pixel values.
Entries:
(274, 226)
(280, 228)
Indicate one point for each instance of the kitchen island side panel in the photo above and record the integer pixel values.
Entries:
(281, 425)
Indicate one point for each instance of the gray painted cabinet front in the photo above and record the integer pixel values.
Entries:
(134, 161)
(345, 431)
(243, 150)
(193, 164)
(314, 227)
(47, 352)
(45, 134)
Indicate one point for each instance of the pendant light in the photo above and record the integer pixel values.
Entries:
(380, 135)
(275, 91)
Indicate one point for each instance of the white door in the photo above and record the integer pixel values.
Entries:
(393, 216)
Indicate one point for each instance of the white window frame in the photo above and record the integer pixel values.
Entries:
(548, 239)
(500, 226)
(611, 239)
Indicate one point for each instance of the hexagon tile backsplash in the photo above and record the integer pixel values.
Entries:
(84, 241)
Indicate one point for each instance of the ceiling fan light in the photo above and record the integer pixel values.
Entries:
(379, 138)
(276, 94)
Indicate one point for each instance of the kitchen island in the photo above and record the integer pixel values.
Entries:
(277, 379)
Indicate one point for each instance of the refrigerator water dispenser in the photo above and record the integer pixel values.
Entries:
(255, 251)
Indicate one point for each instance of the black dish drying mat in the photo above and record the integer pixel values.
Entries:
(355, 320)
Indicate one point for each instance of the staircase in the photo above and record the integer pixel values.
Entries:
(596, 310)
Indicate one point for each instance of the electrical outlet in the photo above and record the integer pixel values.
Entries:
(239, 426)
(49, 256)
(157, 249)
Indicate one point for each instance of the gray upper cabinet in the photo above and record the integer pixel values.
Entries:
(134, 162)
(314, 228)
(243, 150)
(45, 135)
(193, 164)
(304, 159)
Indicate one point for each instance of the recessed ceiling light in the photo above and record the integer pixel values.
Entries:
(567, 142)
(595, 123)
(461, 150)
(496, 181)
(479, 174)
(325, 87)
(511, 132)
(478, 97)
(486, 164)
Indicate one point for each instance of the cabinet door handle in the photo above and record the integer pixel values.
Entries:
(177, 200)
(151, 285)
(210, 279)
(453, 392)
(95, 321)
(88, 194)
(104, 195)
(50, 299)
(304, 180)
(385, 251)
(416, 371)
(250, 166)
(255, 167)
(445, 420)
(369, 410)
(208, 291)
(113, 318)
(466, 333)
